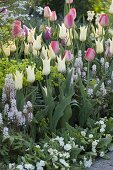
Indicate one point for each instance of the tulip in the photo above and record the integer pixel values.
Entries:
(55, 46)
(48, 33)
(103, 21)
(68, 55)
(35, 52)
(83, 33)
(69, 21)
(46, 66)
(100, 30)
(90, 54)
(26, 49)
(45, 90)
(30, 74)
(6, 50)
(63, 31)
(26, 30)
(51, 53)
(73, 12)
(30, 37)
(53, 16)
(12, 47)
(69, 37)
(111, 8)
(18, 80)
(63, 42)
(99, 46)
(47, 12)
(61, 64)
(37, 43)
(111, 46)
(16, 28)
(45, 52)
(30, 47)
(69, 1)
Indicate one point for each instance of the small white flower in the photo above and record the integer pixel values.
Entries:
(67, 147)
(90, 136)
(83, 133)
(20, 167)
(102, 154)
(63, 162)
(29, 166)
(87, 163)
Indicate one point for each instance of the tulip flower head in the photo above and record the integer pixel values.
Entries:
(69, 1)
(61, 64)
(47, 12)
(69, 21)
(73, 12)
(103, 21)
(53, 16)
(63, 31)
(37, 43)
(111, 8)
(18, 80)
(99, 46)
(90, 54)
(48, 33)
(26, 49)
(55, 46)
(83, 33)
(51, 53)
(30, 74)
(17, 30)
(6, 50)
(68, 55)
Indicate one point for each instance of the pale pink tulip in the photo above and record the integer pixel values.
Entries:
(68, 55)
(73, 12)
(55, 46)
(104, 20)
(90, 54)
(53, 16)
(69, 21)
(26, 30)
(16, 28)
(69, 1)
(47, 12)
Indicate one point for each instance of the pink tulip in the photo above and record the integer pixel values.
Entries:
(73, 12)
(47, 12)
(90, 54)
(17, 29)
(55, 46)
(69, 1)
(103, 21)
(68, 55)
(69, 21)
(63, 42)
(53, 16)
(26, 30)
(48, 33)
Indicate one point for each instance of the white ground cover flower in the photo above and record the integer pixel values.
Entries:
(20, 167)
(83, 133)
(87, 163)
(67, 147)
(102, 154)
(40, 165)
(29, 167)
(63, 162)
(90, 136)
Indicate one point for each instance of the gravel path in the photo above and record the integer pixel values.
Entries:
(103, 164)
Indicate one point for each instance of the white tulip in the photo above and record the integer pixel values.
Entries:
(51, 53)
(61, 64)
(30, 37)
(111, 8)
(18, 80)
(6, 50)
(99, 46)
(100, 30)
(111, 46)
(46, 66)
(45, 52)
(83, 33)
(30, 74)
(63, 31)
(37, 43)
(26, 49)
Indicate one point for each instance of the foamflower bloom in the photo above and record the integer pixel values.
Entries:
(18, 80)
(104, 21)
(69, 1)
(61, 64)
(111, 46)
(37, 43)
(53, 16)
(55, 46)
(30, 74)
(69, 21)
(99, 46)
(63, 31)
(83, 33)
(47, 12)
(90, 54)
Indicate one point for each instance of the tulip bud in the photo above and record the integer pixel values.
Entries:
(61, 64)
(46, 66)
(69, 1)
(111, 46)
(53, 16)
(30, 74)
(63, 31)
(103, 21)
(83, 33)
(73, 12)
(68, 55)
(18, 80)
(30, 37)
(48, 33)
(47, 12)
(99, 46)
(37, 43)
(6, 50)
(69, 21)
(90, 54)
(55, 46)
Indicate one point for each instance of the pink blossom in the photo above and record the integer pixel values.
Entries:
(104, 20)
(16, 28)
(48, 33)
(90, 54)
(53, 16)
(69, 1)
(55, 46)
(68, 55)
(69, 21)
(26, 30)
(47, 12)
(73, 12)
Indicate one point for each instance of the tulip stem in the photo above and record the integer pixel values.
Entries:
(88, 74)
